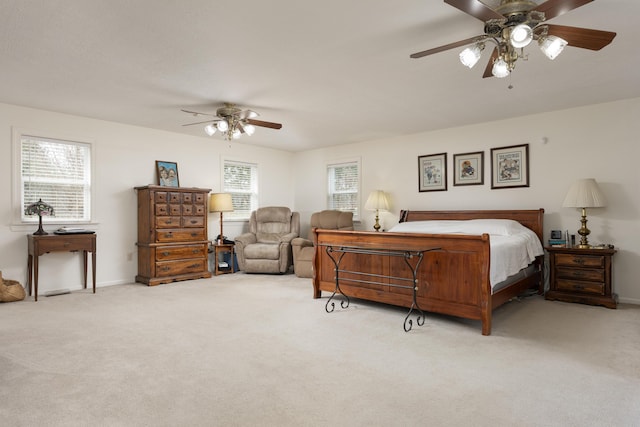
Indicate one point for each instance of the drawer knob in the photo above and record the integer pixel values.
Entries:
(579, 261)
(166, 253)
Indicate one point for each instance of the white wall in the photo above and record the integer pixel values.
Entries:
(124, 158)
(598, 141)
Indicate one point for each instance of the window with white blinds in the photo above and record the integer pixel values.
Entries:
(344, 187)
(59, 173)
(241, 180)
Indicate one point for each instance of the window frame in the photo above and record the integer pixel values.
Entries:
(21, 222)
(357, 214)
(255, 193)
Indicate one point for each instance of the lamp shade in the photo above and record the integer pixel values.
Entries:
(220, 202)
(584, 193)
(377, 200)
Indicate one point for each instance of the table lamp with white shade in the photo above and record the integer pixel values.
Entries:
(377, 201)
(584, 194)
(220, 202)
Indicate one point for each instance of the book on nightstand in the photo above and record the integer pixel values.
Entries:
(558, 243)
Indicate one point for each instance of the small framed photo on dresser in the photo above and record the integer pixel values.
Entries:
(167, 173)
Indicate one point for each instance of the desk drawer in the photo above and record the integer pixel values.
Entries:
(65, 244)
(167, 253)
(174, 268)
(181, 235)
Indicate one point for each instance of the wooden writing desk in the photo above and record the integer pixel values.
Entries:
(42, 244)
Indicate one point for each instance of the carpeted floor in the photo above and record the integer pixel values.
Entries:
(239, 350)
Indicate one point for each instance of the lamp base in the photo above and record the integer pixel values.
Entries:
(40, 231)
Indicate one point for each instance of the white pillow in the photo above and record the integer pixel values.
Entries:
(496, 227)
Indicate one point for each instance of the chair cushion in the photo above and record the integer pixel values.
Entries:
(272, 223)
(262, 251)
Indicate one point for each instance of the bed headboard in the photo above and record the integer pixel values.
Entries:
(532, 219)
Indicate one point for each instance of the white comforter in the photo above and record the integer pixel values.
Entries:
(513, 246)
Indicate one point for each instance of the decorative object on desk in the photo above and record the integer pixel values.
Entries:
(468, 168)
(584, 194)
(220, 202)
(41, 209)
(432, 172)
(167, 173)
(10, 290)
(510, 166)
(377, 200)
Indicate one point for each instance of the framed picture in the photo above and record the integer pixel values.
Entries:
(468, 168)
(167, 173)
(432, 172)
(510, 166)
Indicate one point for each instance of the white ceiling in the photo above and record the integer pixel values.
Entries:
(332, 72)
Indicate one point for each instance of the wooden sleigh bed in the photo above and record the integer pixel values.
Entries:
(452, 275)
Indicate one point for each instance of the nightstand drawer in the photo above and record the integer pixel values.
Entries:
(590, 274)
(580, 260)
(579, 286)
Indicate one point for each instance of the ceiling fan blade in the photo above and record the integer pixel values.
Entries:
(196, 113)
(553, 8)
(584, 38)
(445, 47)
(264, 124)
(488, 71)
(199, 123)
(475, 8)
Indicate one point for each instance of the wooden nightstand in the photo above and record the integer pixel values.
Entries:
(581, 275)
(219, 262)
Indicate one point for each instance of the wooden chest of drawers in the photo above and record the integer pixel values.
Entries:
(172, 234)
(581, 275)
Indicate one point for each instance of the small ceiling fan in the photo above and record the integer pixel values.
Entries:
(231, 121)
(512, 25)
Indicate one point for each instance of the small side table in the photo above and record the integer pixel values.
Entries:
(42, 244)
(223, 248)
(581, 275)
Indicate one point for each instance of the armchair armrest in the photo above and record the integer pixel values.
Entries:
(301, 242)
(287, 238)
(246, 239)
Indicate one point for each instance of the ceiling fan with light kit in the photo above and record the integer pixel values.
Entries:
(231, 121)
(512, 25)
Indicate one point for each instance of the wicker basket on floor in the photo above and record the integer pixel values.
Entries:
(10, 290)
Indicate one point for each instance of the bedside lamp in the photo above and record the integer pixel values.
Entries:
(376, 201)
(39, 208)
(584, 194)
(220, 202)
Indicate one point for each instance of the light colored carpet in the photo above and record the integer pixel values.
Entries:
(240, 350)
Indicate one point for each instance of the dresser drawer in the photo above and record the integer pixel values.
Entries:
(580, 286)
(181, 235)
(168, 222)
(193, 221)
(162, 209)
(590, 274)
(174, 268)
(167, 253)
(574, 260)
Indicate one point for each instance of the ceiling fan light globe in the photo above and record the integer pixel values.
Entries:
(223, 126)
(251, 114)
(236, 134)
(520, 36)
(210, 129)
(471, 55)
(500, 68)
(249, 129)
(551, 46)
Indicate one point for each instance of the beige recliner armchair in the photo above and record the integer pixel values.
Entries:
(303, 248)
(266, 248)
